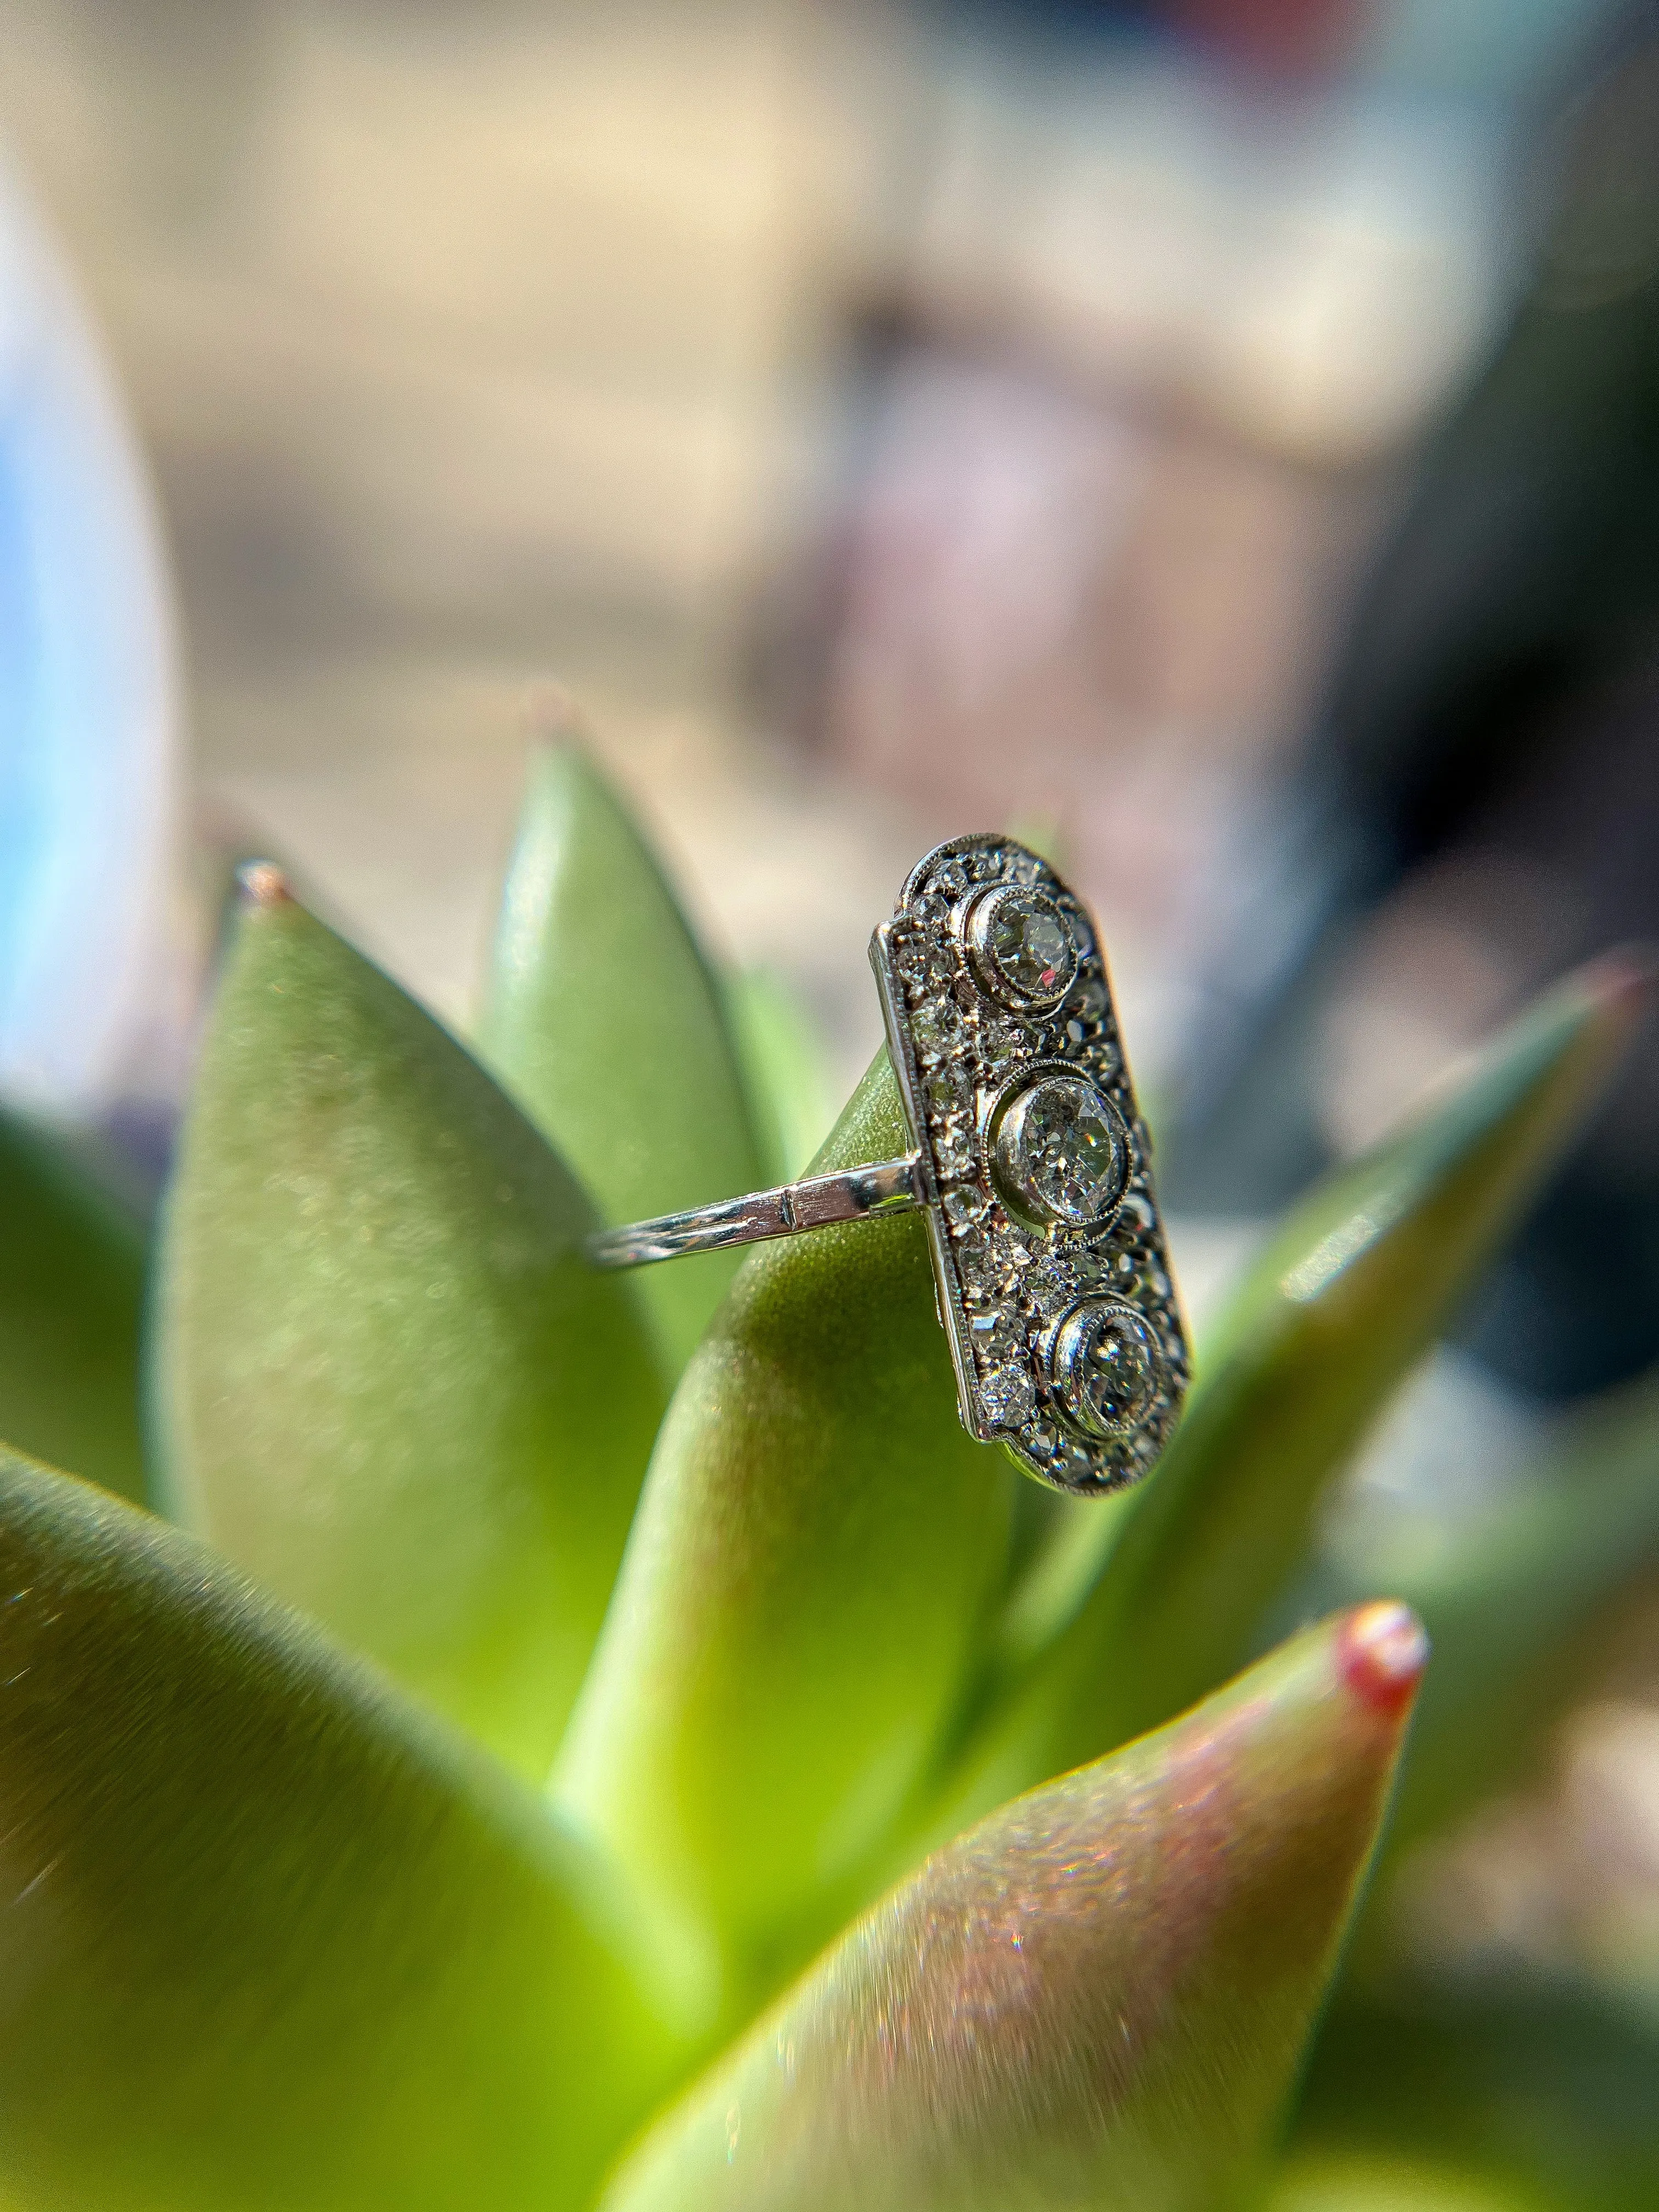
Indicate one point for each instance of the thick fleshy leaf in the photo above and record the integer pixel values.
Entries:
(1390, 2181)
(1544, 2089)
(71, 1302)
(1514, 1597)
(1099, 1996)
(388, 1384)
(272, 1935)
(791, 1103)
(816, 1545)
(602, 1016)
(1345, 1299)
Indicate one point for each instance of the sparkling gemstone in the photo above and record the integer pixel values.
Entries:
(973, 1256)
(937, 1028)
(953, 1152)
(984, 865)
(1135, 1215)
(932, 912)
(1041, 1440)
(1009, 1397)
(947, 1089)
(1089, 1001)
(1024, 867)
(924, 963)
(1051, 1289)
(964, 1206)
(1026, 944)
(950, 878)
(1001, 1044)
(1060, 1153)
(992, 1334)
(1106, 1367)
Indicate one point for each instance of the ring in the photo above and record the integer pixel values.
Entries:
(1031, 1161)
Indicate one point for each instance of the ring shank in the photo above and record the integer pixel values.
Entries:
(850, 1194)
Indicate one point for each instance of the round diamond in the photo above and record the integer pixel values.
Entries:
(1137, 1218)
(947, 1089)
(1059, 1153)
(937, 1028)
(925, 965)
(992, 1333)
(1009, 1397)
(953, 1152)
(1023, 946)
(1105, 1367)
(964, 1206)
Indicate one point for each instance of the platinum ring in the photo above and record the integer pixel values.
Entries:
(1030, 1163)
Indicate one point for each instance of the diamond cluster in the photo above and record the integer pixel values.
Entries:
(1053, 1277)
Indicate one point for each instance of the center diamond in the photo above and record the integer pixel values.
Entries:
(1059, 1153)
(1022, 946)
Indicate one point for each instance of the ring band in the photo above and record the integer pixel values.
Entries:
(894, 1187)
(1031, 1164)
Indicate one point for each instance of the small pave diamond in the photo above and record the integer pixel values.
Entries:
(953, 1150)
(947, 1090)
(937, 1028)
(1061, 1153)
(992, 1334)
(964, 1206)
(1010, 1397)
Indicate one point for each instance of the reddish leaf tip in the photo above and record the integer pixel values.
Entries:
(552, 717)
(1624, 977)
(1381, 1650)
(264, 884)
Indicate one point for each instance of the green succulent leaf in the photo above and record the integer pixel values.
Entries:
(1514, 1595)
(1542, 2090)
(1387, 2181)
(817, 1544)
(603, 1017)
(386, 1382)
(1345, 1300)
(1098, 1997)
(272, 1935)
(71, 1306)
(792, 1106)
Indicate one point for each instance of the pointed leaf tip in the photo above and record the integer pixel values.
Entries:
(262, 883)
(1099, 1994)
(1381, 1650)
(385, 1381)
(603, 1017)
(552, 717)
(1334, 1313)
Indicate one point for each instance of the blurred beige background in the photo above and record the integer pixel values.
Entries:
(468, 348)
(475, 347)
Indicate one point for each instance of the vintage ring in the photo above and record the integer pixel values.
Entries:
(1031, 1161)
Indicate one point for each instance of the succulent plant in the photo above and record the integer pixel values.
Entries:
(539, 1738)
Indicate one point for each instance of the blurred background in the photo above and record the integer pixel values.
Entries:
(1222, 439)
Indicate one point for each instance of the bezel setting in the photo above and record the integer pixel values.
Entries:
(966, 1046)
